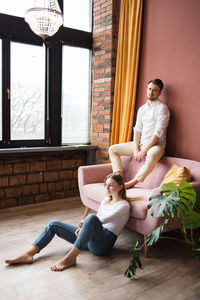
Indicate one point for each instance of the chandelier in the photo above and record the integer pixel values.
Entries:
(44, 17)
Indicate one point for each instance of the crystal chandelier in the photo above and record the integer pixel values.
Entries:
(44, 17)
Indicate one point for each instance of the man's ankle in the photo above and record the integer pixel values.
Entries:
(118, 173)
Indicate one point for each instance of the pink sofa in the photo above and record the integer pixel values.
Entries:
(90, 180)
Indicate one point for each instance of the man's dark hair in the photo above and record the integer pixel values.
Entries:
(157, 82)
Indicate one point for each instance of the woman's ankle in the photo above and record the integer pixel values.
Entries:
(32, 251)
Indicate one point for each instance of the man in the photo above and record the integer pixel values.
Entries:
(149, 135)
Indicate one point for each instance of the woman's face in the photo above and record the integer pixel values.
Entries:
(112, 187)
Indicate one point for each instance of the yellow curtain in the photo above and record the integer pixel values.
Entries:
(126, 70)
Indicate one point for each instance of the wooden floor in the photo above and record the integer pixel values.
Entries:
(169, 273)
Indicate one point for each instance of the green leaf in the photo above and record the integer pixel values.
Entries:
(184, 184)
(186, 191)
(188, 199)
(154, 236)
(134, 263)
(191, 219)
(171, 186)
(163, 205)
(197, 204)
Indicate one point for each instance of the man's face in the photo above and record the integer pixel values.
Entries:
(153, 91)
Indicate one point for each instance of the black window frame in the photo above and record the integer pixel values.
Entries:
(15, 29)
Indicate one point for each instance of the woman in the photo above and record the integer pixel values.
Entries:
(97, 233)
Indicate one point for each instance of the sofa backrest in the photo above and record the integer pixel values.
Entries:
(130, 168)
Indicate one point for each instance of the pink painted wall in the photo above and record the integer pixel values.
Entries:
(170, 50)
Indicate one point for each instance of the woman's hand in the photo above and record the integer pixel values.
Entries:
(77, 231)
(79, 228)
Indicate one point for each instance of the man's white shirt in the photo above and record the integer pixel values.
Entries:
(152, 120)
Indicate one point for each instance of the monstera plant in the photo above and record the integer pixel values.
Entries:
(180, 202)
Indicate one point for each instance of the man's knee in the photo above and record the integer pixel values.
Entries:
(154, 157)
(154, 154)
(111, 148)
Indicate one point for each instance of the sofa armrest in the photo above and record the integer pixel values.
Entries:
(195, 185)
(156, 191)
(93, 173)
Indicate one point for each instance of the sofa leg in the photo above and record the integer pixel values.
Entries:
(146, 250)
(86, 212)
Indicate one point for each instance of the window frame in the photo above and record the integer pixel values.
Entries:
(15, 29)
(90, 102)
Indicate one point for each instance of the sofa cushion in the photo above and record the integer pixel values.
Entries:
(176, 174)
(96, 192)
(138, 193)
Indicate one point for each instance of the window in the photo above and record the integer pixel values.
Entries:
(75, 95)
(15, 8)
(45, 86)
(77, 14)
(27, 95)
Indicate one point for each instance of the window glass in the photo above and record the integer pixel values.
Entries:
(0, 89)
(14, 7)
(27, 92)
(77, 14)
(75, 95)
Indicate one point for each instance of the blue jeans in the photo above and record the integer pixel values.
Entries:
(93, 236)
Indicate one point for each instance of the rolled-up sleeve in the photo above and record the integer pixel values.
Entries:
(163, 116)
(138, 125)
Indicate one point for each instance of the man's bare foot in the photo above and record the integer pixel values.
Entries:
(63, 264)
(22, 259)
(131, 183)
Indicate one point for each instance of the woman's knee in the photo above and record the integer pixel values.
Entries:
(52, 224)
(91, 218)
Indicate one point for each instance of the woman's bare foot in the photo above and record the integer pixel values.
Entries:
(63, 264)
(68, 261)
(22, 259)
(26, 258)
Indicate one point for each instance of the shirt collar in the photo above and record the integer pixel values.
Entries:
(153, 103)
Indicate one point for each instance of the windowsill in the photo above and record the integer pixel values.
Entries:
(35, 150)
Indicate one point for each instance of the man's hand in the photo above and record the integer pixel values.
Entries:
(139, 155)
(79, 228)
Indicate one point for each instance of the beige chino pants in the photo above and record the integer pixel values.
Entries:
(152, 157)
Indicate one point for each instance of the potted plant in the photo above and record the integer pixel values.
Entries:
(180, 202)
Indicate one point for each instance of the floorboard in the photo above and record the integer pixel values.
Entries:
(169, 273)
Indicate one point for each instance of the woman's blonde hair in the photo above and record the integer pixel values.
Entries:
(120, 181)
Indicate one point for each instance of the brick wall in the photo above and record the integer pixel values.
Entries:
(33, 179)
(105, 27)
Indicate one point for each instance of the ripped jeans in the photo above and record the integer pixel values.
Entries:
(92, 236)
